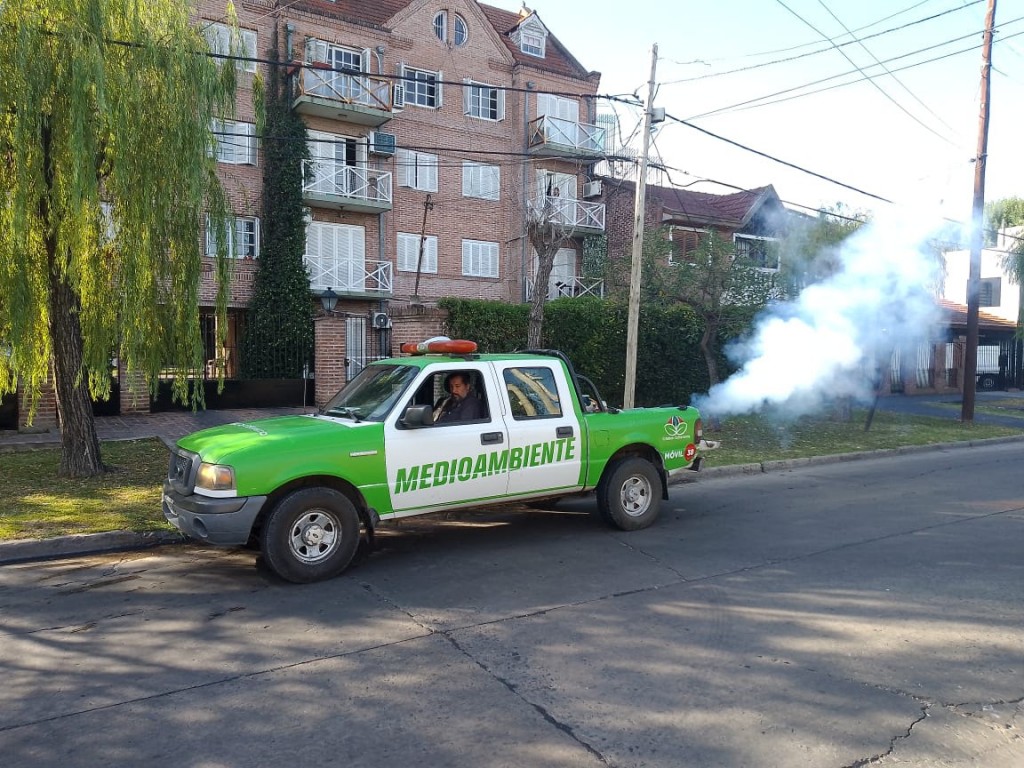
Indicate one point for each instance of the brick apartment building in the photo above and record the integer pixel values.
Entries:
(435, 130)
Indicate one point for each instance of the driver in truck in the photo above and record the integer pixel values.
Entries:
(462, 404)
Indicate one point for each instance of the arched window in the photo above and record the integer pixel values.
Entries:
(461, 30)
(441, 26)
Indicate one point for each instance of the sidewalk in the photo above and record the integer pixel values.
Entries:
(168, 426)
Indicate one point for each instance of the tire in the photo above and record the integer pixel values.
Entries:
(987, 381)
(629, 494)
(311, 535)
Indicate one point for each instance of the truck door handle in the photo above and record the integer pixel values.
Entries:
(490, 438)
(563, 432)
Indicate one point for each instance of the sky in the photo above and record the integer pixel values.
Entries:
(909, 135)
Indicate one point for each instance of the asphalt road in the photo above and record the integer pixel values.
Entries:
(857, 613)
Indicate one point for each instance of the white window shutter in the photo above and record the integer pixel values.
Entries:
(430, 178)
(491, 181)
(546, 105)
(430, 255)
(404, 255)
(467, 96)
(364, 62)
(440, 89)
(403, 159)
(501, 103)
(256, 236)
(467, 178)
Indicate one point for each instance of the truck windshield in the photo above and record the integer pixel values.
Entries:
(370, 395)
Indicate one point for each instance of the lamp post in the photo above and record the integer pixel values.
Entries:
(329, 300)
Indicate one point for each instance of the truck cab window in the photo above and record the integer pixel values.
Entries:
(532, 393)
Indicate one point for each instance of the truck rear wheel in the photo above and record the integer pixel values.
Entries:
(629, 494)
(312, 534)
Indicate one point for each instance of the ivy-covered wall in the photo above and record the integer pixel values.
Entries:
(670, 368)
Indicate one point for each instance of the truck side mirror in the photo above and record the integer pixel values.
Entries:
(417, 416)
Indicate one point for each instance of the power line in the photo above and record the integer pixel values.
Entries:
(876, 85)
(753, 103)
(777, 160)
(821, 50)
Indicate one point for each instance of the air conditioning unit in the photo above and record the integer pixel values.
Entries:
(382, 143)
(380, 320)
(592, 189)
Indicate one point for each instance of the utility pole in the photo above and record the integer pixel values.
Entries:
(428, 205)
(977, 220)
(636, 270)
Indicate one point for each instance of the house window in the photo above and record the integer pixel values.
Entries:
(441, 26)
(479, 258)
(416, 170)
(409, 253)
(227, 42)
(235, 142)
(989, 291)
(483, 101)
(243, 238)
(685, 243)
(761, 251)
(421, 87)
(480, 180)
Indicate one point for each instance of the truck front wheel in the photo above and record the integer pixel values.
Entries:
(628, 495)
(312, 534)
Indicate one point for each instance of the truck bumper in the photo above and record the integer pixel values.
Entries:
(216, 521)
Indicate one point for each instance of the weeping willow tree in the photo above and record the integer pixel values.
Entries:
(106, 177)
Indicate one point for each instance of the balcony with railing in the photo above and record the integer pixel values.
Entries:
(577, 216)
(347, 277)
(571, 287)
(325, 92)
(331, 184)
(557, 137)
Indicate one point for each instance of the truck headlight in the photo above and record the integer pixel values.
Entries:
(215, 477)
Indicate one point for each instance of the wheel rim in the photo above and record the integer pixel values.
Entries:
(314, 536)
(635, 496)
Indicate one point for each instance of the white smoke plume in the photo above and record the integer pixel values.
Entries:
(837, 336)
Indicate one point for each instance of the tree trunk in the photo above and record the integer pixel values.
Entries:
(707, 348)
(546, 245)
(79, 445)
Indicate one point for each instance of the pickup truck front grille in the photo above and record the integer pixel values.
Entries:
(181, 472)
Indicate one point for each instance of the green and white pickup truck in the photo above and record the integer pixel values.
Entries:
(303, 488)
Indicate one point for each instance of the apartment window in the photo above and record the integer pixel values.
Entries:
(421, 87)
(761, 251)
(225, 41)
(483, 101)
(480, 180)
(479, 258)
(243, 238)
(532, 44)
(417, 170)
(235, 142)
(461, 31)
(409, 253)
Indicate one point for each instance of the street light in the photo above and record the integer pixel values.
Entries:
(329, 300)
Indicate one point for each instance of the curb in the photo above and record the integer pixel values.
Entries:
(779, 465)
(30, 550)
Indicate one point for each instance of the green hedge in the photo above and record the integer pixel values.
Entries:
(670, 367)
